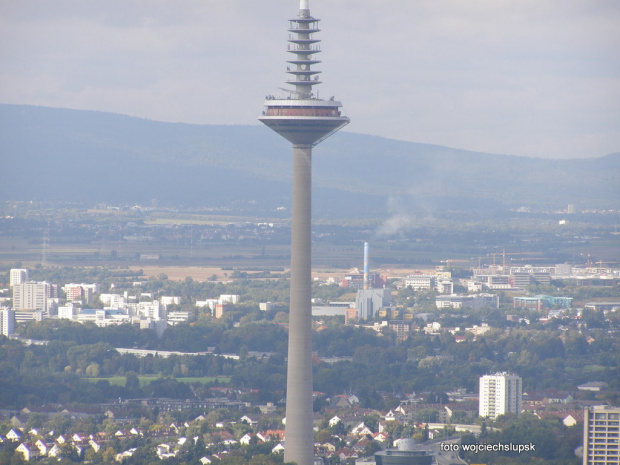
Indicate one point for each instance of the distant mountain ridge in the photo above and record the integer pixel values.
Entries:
(64, 155)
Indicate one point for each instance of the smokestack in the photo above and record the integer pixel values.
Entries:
(366, 283)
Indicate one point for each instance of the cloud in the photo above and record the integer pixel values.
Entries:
(521, 77)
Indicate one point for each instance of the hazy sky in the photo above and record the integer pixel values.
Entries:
(524, 77)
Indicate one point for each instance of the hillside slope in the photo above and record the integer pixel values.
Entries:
(65, 155)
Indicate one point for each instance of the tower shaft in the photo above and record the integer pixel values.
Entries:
(299, 445)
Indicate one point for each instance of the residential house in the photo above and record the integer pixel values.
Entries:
(271, 435)
(14, 434)
(123, 455)
(28, 450)
(94, 444)
(80, 448)
(245, 439)
(163, 452)
(247, 420)
(360, 430)
(55, 451)
(361, 445)
(333, 421)
(328, 447)
(381, 437)
(80, 437)
(346, 454)
(18, 422)
(43, 447)
(390, 416)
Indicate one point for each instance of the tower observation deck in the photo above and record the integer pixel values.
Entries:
(304, 120)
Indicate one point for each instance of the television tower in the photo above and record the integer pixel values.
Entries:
(304, 120)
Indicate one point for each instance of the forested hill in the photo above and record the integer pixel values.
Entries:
(65, 155)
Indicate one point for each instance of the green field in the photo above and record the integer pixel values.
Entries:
(146, 379)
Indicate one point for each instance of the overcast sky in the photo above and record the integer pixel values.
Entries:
(525, 77)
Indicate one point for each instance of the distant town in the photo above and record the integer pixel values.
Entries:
(439, 343)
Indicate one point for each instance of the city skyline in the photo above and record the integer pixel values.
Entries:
(526, 79)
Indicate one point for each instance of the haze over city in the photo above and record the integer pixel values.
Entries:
(523, 78)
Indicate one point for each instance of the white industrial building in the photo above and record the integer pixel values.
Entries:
(467, 301)
(419, 282)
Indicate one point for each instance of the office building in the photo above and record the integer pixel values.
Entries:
(34, 296)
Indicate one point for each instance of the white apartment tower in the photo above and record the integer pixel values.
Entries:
(18, 276)
(601, 429)
(499, 394)
(7, 322)
(31, 296)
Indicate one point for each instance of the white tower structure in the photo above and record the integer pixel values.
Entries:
(304, 120)
(499, 394)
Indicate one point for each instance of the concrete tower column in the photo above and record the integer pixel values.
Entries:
(299, 444)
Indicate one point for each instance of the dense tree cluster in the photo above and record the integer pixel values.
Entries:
(60, 371)
(554, 444)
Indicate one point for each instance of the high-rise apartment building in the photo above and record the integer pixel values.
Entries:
(31, 296)
(499, 394)
(73, 292)
(601, 429)
(7, 321)
(18, 276)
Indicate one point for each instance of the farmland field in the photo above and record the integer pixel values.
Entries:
(145, 380)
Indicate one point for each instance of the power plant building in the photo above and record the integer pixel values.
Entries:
(369, 301)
